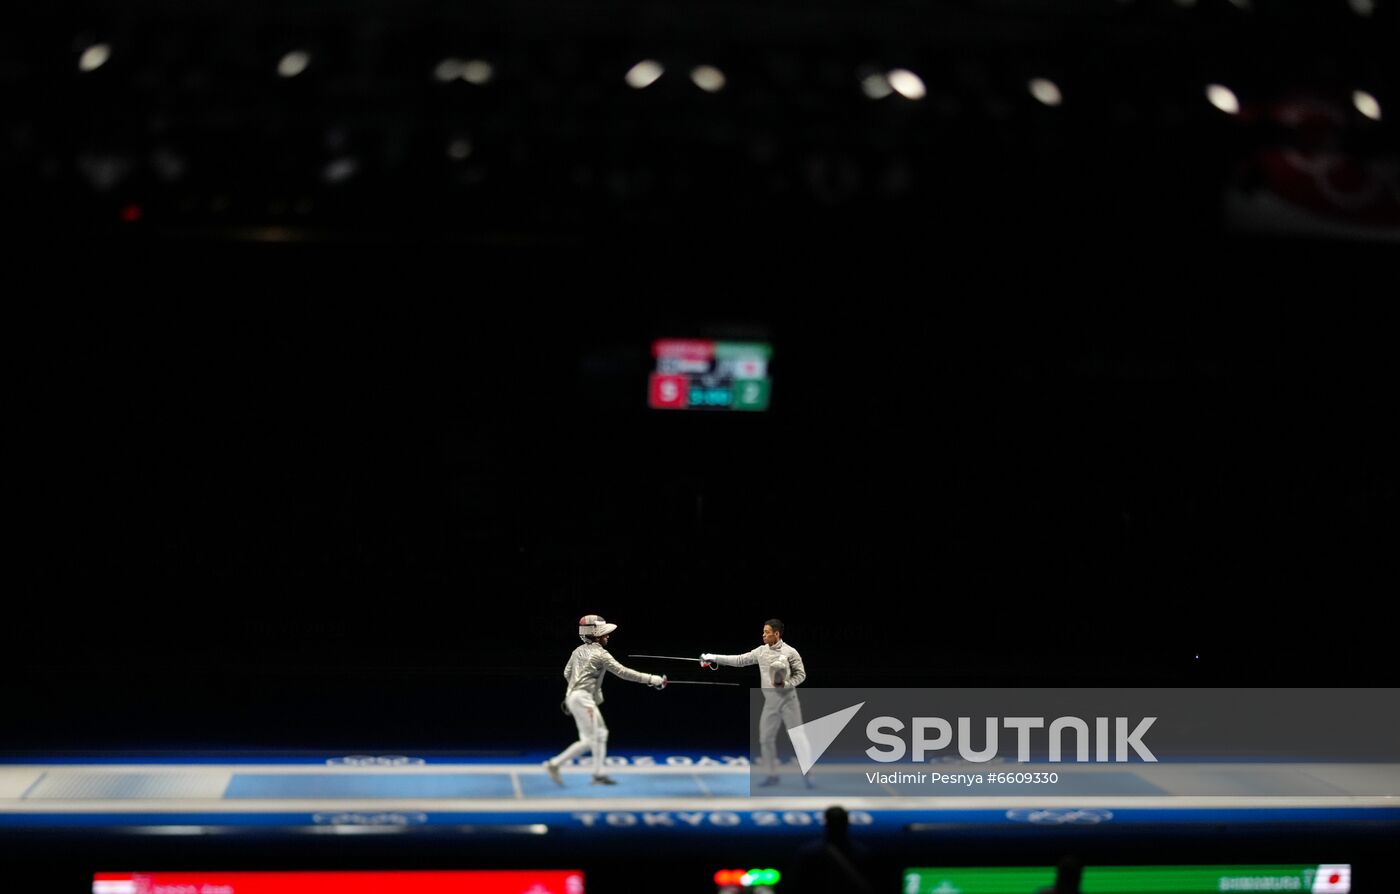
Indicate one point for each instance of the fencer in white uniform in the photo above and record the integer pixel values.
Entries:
(583, 695)
(780, 672)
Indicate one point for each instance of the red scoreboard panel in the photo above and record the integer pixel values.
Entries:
(492, 881)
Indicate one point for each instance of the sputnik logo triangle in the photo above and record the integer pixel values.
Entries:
(811, 739)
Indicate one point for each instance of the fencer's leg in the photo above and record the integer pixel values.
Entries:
(600, 742)
(600, 750)
(792, 711)
(792, 720)
(568, 754)
(582, 713)
(768, 723)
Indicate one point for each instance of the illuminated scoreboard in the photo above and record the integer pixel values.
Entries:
(698, 374)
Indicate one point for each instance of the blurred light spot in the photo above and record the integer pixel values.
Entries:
(1363, 8)
(272, 234)
(1046, 91)
(708, 78)
(1186, 4)
(293, 64)
(340, 170)
(1366, 104)
(875, 85)
(478, 72)
(168, 165)
(644, 74)
(907, 84)
(94, 57)
(449, 70)
(1223, 99)
(459, 149)
(131, 213)
(1240, 4)
(103, 172)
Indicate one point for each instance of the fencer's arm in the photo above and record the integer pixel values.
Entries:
(617, 668)
(743, 660)
(797, 672)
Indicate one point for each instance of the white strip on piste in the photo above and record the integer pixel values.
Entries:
(602, 805)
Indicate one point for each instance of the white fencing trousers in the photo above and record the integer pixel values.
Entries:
(780, 708)
(592, 731)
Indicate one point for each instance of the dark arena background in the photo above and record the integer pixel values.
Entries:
(334, 347)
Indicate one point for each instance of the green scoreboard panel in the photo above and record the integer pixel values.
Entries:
(1330, 878)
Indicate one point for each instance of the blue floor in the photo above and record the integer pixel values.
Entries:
(578, 784)
(437, 785)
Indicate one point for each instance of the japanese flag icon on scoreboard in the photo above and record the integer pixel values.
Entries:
(1332, 879)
